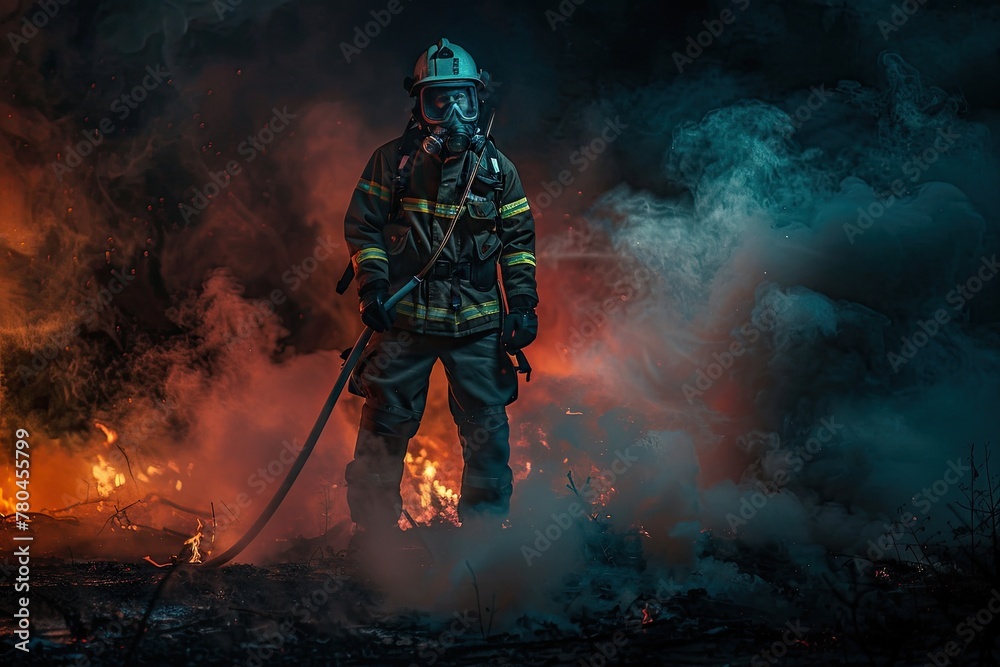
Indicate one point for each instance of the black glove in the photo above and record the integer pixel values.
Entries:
(373, 311)
(520, 327)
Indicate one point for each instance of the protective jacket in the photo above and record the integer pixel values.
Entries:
(398, 213)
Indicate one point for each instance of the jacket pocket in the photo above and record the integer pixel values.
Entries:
(483, 225)
(482, 214)
(396, 235)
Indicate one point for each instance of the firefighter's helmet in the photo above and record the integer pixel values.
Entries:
(444, 63)
(448, 87)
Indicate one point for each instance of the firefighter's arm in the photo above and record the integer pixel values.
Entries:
(517, 232)
(366, 215)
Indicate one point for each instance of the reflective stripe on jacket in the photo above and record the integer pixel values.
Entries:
(461, 297)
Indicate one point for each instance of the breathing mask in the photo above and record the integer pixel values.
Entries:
(449, 112)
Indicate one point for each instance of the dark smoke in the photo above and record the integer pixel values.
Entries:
(729, 210)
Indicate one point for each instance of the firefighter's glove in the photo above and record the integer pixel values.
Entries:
(520, 327)
(373, 311)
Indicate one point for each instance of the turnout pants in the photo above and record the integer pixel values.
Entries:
(393, 377)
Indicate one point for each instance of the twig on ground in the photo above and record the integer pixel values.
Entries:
(119, 512)
(479, 609)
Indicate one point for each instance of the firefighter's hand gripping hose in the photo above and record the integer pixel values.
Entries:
(338, 387)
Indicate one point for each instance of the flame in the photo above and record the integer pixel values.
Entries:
(7, 506)
(108, 479)
(195, 542)
(433, 496)
(110, 434)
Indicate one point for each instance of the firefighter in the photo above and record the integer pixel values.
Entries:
(403, 203)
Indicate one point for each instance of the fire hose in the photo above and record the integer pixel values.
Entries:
(342, 379)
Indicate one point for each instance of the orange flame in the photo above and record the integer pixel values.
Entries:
(195, 542)
(108, 479)
(433, 497)
(110, 434)
(7, 506)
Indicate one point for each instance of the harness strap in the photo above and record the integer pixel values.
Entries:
(402, 180)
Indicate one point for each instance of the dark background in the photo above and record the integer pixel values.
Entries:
(725, 202)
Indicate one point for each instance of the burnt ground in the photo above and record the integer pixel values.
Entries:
(90, 613)
(322, 609)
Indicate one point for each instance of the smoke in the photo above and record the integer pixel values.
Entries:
(767, 304)
(797, 281)
(173, 238)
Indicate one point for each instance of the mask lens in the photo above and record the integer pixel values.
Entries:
(439, 102)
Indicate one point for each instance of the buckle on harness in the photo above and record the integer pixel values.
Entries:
(454, 272)
(446, 270)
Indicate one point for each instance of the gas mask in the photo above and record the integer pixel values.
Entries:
(450, 112)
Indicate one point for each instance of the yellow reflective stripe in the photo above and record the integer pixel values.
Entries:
(375, 189)
(426, 206)
(514, 208)
(516, 258)
(368, 254)
(418, 311)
